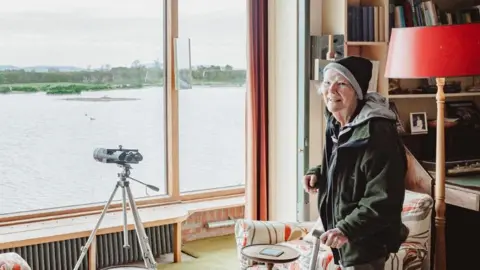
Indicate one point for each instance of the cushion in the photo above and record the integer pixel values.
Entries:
(13, 261)
(416, 215)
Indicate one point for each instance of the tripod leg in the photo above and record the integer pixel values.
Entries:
(94, 232)
(147, 254)
(125, 224)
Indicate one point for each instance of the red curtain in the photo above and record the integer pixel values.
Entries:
(257, 111)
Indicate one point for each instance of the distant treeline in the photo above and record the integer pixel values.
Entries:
(134, 75)
(62, 88)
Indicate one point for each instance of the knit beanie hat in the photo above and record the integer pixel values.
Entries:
(357, 70)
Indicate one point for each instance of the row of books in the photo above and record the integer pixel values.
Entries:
(366, 23)
(413, 13)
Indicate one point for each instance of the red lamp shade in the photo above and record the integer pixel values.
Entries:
(434, 51)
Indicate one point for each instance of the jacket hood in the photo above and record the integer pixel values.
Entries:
(376, 106)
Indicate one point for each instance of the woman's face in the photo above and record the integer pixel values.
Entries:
(338, 94)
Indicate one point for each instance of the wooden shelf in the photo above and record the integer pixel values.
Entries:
(366, 43)
(461, 94)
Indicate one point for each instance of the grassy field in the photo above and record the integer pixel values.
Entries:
(68, 88)
(43, 84)
(62, 87)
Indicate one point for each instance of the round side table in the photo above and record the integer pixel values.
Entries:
(253, 253)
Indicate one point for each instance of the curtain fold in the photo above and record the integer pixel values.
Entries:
(257, 112)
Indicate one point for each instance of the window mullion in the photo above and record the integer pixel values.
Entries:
(172, 101)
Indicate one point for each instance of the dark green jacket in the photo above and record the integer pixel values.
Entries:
(361, 183)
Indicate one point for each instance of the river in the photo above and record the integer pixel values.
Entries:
(47, 144)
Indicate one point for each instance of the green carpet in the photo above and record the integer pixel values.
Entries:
(217, 253)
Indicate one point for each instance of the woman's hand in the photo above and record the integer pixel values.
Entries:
(309, 182)
(333, 238)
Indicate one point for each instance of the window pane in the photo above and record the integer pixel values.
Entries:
(77, 76)
(212, 113)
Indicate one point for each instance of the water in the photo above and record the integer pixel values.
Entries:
(47, 143)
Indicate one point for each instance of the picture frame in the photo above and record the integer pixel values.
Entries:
(418, 123)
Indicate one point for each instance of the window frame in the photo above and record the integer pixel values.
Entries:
(173, 196)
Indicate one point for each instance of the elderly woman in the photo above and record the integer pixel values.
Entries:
(361, 179)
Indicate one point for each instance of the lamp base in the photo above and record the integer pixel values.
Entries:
(439, 192)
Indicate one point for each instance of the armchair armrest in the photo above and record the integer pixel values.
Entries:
(255, 232)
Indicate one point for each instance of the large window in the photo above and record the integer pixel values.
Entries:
(212, 112)
(76, 76)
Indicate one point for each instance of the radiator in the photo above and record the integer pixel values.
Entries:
(63, 255)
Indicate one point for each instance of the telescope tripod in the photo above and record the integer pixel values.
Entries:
(124, 183)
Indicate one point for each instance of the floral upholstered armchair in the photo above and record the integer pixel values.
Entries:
(413, 253)
(13, 261)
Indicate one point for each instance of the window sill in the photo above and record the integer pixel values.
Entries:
(62, 229)
(85, 210)
(208, 205)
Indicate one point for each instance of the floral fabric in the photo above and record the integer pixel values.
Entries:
(13, 261)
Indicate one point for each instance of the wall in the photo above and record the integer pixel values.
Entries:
(282, 111)
(195, 226)
(316, 136)
(326, 17)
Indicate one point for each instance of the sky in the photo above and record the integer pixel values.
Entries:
(93, 33)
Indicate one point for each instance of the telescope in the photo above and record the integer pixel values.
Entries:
(123, 158)
(118, 156)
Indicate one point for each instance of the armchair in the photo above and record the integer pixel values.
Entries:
(413, 253)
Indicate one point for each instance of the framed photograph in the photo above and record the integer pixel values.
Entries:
(418, 123)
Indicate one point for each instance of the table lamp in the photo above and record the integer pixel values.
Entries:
(435, 52)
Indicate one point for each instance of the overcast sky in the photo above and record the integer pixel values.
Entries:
(117, 32)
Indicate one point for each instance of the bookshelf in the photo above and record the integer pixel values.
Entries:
(417, 13)
(366, 34)
(372, 45)
(367, 26)
(409, 94)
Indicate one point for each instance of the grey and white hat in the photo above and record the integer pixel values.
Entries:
(357, 70)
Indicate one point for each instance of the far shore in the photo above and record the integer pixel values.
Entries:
(67, 88)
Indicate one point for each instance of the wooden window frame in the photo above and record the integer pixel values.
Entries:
(173, 195)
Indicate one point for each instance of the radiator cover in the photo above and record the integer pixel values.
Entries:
(63, 255)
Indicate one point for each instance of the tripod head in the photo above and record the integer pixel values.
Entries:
(125, 169)
(124, 176)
